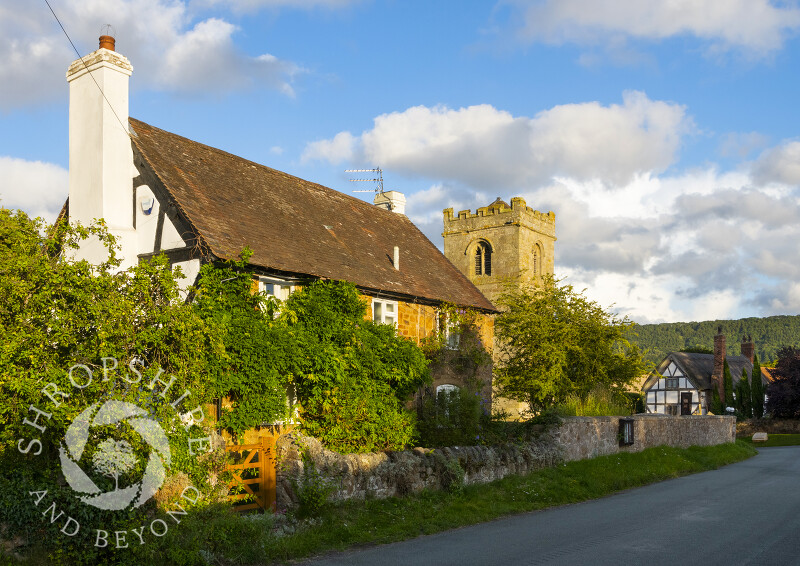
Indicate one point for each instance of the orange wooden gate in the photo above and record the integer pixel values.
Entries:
(254, 475)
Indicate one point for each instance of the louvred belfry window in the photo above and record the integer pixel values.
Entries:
(483, 259)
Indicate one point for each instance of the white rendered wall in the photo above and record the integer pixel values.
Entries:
(147, 225)
(100, 155)
(190, 270)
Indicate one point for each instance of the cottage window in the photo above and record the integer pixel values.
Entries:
(483, 259)
(446, 389)
(451, 332)
(275, 288)
(672, 383)
(384, 312)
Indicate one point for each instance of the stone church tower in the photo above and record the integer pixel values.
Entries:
(500, 244)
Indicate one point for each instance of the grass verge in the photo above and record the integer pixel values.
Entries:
(217, 535)
(775, 440)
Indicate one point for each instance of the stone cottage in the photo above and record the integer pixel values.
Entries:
(161, 193)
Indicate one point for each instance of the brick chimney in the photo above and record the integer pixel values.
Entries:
(100, 154)
(719, 362)
(748, 348)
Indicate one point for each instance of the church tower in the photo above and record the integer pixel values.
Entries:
(500, 244)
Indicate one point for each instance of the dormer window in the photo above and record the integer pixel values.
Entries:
(483, 259)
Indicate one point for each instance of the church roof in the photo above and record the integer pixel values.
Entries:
(499, 203)
(294, 226)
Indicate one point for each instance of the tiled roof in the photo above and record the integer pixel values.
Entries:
(699, 367)
(295, 226)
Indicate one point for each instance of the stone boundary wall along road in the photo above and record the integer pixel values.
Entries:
(389, 474)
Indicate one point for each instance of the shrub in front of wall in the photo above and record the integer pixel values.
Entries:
(451, 418)
(352, 377)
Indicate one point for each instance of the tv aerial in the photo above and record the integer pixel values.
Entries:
(378, 190)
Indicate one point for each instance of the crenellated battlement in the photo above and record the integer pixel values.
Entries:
(518, 206)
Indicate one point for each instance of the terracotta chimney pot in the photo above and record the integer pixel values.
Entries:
(107, 42)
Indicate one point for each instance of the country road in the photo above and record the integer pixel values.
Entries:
(745, 513)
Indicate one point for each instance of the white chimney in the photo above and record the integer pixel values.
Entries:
(100, 155)
(391, 200)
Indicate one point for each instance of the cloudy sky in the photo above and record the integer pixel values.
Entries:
(664, 135)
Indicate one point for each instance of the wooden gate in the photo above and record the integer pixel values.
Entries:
(254, 475)
(254, 481)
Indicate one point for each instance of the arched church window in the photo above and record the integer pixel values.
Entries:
(537, 260)
(483, 259)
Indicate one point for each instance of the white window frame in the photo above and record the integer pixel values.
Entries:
(268, 286)
(384, 311)
(450, 333)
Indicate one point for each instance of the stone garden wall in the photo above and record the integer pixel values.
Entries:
(388, 474)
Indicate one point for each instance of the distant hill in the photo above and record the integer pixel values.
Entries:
(769, 334)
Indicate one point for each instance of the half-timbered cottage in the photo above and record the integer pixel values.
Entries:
(683, 382)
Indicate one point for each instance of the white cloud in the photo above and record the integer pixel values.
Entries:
(337, 150)
(38, 188)
(779, 164)
(696, 246)
(485, 147)
(755, 26)
(167, 47)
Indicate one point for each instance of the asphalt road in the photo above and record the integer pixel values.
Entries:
(745, 513)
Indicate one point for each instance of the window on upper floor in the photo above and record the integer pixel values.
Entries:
(275, 288)
(483, 259)
(451, 332)
(384, 312)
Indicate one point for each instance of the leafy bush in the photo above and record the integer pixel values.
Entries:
(249, 373)
(352, 377)
(451, 476)
(451, 418)
(313, 489)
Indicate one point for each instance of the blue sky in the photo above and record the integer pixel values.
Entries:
(664, 135)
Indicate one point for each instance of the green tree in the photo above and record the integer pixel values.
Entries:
(57, 312)
(716, 402)
(556, 343)
(727, 384)
(757, 390)
(743, 397)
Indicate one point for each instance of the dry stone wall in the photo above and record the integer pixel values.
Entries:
(389, 474)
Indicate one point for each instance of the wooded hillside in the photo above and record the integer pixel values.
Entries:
(769, 334)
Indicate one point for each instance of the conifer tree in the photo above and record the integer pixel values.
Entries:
(727, 384)
(757, 390)
(743, 397)
(716, 403)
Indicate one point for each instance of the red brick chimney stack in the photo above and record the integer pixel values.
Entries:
(748, 348)
(719, 362)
